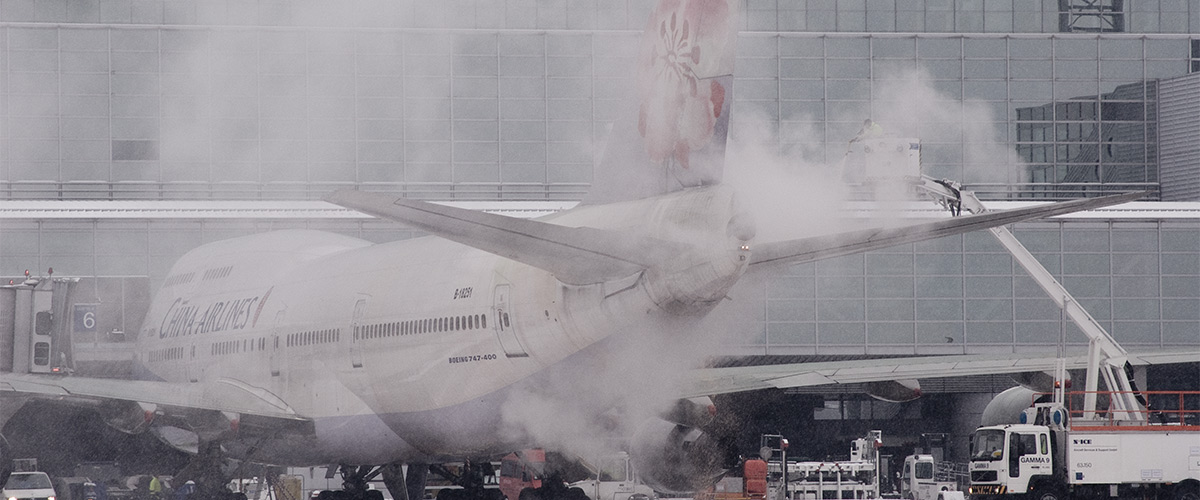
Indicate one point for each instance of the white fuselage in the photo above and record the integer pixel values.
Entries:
(396, 351)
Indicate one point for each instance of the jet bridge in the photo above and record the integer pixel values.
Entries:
(34, 335)
(1106, 358)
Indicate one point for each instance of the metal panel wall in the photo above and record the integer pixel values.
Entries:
(1179, 136)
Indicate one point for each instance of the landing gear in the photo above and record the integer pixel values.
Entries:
(356, 479)
(470, 481)
(405, 487)
(205, 471)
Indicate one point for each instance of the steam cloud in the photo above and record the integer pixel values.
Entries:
(791, 192)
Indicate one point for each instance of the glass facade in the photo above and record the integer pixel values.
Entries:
(240, 99)
(967, 295)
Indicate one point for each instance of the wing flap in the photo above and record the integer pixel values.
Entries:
(851, 242)
(712, 381)
(219, 396)
(575, 255)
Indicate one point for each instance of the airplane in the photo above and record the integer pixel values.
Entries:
(305, 348)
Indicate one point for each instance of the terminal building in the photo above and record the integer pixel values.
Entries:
(133, 131)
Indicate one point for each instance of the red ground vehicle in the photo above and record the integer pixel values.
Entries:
(520, 470)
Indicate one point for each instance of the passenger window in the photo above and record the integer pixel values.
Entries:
(1044, 446)
(483, 320)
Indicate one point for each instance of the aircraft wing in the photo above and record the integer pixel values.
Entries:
(235, 402)
(576, 255)
(858, 241)
(724, 380)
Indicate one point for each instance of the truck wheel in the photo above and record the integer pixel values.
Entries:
(1187, 491)
(1045, 494)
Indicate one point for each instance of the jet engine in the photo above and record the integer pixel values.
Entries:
(676, 458)
(1006, 407)
(129, 417)
(894, 391)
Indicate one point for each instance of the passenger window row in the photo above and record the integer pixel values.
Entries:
(216, 273)
(314, 337)
(419, 326)
(179, 279)
(168, 354)
(236, 346)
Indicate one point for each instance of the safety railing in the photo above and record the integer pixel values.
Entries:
(274, 191)
(481, 191)
(1161, 408)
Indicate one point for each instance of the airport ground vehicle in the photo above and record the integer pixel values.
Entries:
(31, 485)
(751, 486)
(615, 479)
(857, 477)
(1060, 453)
(523, 476)
(919, 479)
(521, 470)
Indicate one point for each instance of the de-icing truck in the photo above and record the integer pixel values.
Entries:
(1057, 454)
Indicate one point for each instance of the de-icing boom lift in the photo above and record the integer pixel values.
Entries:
(892, 159)
(1105, 357)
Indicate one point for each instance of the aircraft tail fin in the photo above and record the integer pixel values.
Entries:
(672, 136)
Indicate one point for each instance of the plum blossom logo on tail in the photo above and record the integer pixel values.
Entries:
(681, 102)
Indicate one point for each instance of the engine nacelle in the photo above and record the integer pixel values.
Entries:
(130, 417)
(1007, 406)
(894, 391)
(674, 458)
(692, 412)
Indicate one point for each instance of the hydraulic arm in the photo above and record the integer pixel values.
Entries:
(1106, 357)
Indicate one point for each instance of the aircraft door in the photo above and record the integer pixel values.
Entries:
(360, 308)
(276, 352)
(503, 324)
(192, 366)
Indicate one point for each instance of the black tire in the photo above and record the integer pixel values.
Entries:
(449, 494)
(238, 496)
(576, 494)
(1186, 491)
(1045, 493)
(373, 495)
(493, 494)
(325, 495)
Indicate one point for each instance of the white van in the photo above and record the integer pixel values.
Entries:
(28, 486)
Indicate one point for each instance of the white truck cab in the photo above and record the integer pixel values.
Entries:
(1012, 459)
(29, 486)
(615, 479)
(918, 481)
